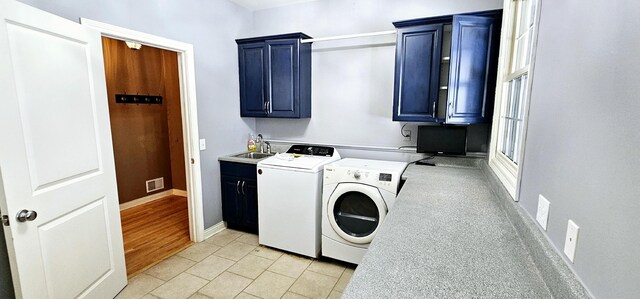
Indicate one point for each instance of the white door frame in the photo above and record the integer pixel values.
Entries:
(186, 68)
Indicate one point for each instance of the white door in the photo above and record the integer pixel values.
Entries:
(56, 158)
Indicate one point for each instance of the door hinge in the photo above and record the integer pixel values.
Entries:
(5, 220)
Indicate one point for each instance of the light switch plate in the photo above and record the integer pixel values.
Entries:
(571, 240)
(203, 144)
(542, 216)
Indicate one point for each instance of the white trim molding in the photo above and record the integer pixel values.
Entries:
(152, 197)
(508, 172)
(144, 200)
(186, 67)
(178, 192)
(216, 228)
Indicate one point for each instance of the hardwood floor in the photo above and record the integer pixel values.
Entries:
(154, 231)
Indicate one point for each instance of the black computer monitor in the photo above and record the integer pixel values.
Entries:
(451, 140)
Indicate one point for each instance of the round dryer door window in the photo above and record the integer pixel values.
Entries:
(356, 211)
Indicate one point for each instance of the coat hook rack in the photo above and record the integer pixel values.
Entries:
(138, 99)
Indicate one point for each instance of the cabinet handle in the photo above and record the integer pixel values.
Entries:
(270, 107)
(433, 112)
(238, 187)
(264, 107)
(242, 188)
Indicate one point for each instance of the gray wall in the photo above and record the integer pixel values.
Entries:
(212, 27)
(583, 138)
(352, 80)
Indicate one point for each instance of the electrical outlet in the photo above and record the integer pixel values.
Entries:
(203, 144)
(571, 240)
(542, 216)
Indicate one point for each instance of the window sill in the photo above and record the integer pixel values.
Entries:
(506, 172)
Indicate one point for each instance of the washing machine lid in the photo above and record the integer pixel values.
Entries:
(356, 211)
(302, 157)
(296, 162)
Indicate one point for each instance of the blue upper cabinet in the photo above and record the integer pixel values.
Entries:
(275, 76)
(417, 73)
(472, 80)
(252, 79)
(446, 68)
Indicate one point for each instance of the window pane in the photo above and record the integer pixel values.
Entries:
(515, 98)
(532, 12)
(512, 130)
(516, 141)
(506, 143)
(529, 46)
(523, 16)
(523, 96)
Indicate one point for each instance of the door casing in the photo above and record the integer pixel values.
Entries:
(188, 103)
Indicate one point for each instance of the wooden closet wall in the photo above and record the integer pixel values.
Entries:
(147, 138)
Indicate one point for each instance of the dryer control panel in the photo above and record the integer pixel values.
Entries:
(385, 177)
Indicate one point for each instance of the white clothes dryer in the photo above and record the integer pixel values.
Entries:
(356, 196)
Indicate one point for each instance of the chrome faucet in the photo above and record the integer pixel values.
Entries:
(263, 143)
(260, 140)
(268, 147)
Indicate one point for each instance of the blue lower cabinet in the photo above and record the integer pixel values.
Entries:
(275, 76)
(430, 78)
(239, 196)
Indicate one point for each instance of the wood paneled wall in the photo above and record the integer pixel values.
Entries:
(147, 139)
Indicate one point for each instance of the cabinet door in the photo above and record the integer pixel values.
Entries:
(474, 49)
(231, 200)
(250, 190)
(251, 58)
(417, 73)
(282, 78)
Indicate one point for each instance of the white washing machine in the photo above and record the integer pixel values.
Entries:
(357, 194)
(290, 198)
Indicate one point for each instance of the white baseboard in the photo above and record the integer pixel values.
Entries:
(152, 197)
(214, 229)
(179, 192)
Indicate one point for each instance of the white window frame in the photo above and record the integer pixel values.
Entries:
(506, 170)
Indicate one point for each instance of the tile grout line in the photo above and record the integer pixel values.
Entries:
(185, 271)
(252, 280)
(294, 282)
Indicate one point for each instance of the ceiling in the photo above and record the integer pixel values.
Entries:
(264, 4)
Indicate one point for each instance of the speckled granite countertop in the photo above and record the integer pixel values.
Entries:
(446, 237)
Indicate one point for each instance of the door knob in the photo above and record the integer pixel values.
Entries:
(26, 215)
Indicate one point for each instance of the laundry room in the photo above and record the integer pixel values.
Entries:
(318, 149)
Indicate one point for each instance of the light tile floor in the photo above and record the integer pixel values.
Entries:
(231, 264)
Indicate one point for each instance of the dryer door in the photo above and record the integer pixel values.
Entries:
(355, 212)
